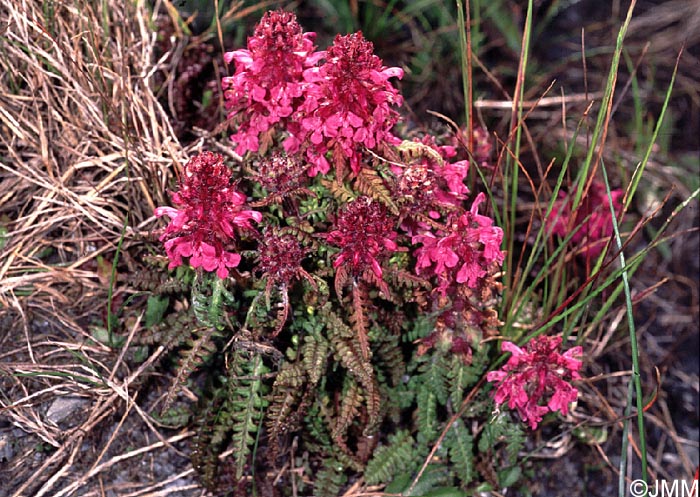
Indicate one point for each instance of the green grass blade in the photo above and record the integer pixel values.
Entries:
(636, 378)
(605, 108)
(638, 172)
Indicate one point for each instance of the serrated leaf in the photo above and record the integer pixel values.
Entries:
(390, 459)
(461, 451)
(427, 415)
(446, 492)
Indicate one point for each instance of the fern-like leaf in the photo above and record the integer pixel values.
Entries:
(330, 479)
(411, 150)
(370, 183)
(171, 332)
(502, 429)
(346, 348)
(359, 319)
(348, 411)
(434, 374)
(339, 191)
(461, 376)
(459, 442)
(432, 483)
(199, 350)
(282, 415)
(391, 459)
(515, 441)
(246, 403)
(342, 277)
(390, 357)
(348, 353)
(206, 445)
(209, 308)
(426, 414)
(314, 353)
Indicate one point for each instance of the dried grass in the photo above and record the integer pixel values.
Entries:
(85, 141)
(86, 153)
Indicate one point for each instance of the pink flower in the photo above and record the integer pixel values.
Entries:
(592, 220)
(280, 173)
(427, 182)
(347, 105)
(280, 256)
(210, 213)
(364, 232)
(268, 84)
(533, 375)
(464, 252)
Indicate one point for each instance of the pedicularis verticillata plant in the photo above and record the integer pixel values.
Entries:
(356, 266)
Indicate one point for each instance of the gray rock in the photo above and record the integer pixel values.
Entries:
(66, 409)
(7, 451)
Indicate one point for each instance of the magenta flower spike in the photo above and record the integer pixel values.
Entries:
(363, 232)
(210, 211)
(536, 380)
(348, 105)
(464, 252)
(593, 220)
(268, 85)
(427, 183)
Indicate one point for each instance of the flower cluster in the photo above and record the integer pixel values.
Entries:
(210, 211)
(481, 142)
(533, 375)
(592, 219)
(280, 256)
(363, 232)
(464, 252)
(280, 173)
(430, 181)
(340, 106)
(268, 87)
(347, 105)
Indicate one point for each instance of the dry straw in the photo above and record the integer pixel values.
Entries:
(84, 141)
(86, 153)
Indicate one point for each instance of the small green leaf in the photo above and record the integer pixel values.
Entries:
(155, 309)
(509, 476)
(446, 492)
(591, 435)
(400, 483)
(3, 237)
(102, 335)
(140, 354)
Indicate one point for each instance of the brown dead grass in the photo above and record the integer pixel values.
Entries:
(86, 153)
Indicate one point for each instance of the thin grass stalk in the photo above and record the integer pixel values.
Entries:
(540, 242)
(597, 142)
(510, 180)
(638, 119)
(636, 378)
(637, 176)
(112, 281)
(621, 481)
(465, 58)
(632, 190)
(562, 312)
(604, 114)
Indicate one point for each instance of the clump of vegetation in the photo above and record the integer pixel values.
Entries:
(357, 316)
